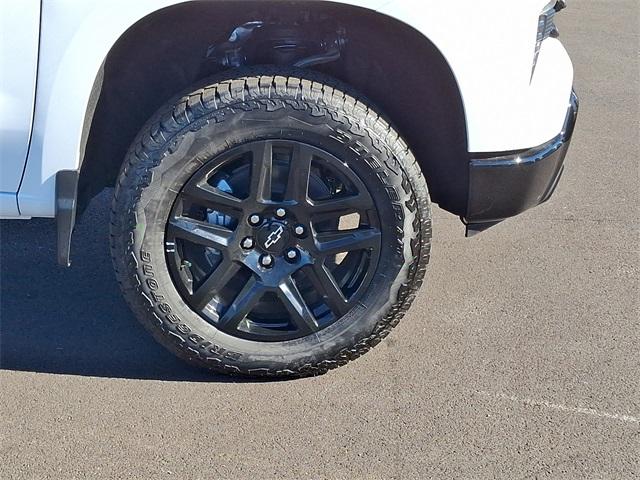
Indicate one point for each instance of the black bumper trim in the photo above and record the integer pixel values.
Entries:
(504, 186)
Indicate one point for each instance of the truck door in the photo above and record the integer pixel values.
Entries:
(19, 37)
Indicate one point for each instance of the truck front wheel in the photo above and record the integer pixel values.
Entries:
(270, 225)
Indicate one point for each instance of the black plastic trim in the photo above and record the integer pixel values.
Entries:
(66, 203)
(503, 186)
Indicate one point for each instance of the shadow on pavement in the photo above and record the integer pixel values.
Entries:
(74, 320)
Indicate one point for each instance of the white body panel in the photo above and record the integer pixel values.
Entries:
(19, 26)
(489, 46)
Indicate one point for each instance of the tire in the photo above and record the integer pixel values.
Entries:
(171, 227)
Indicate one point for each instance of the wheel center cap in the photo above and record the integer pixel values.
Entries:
(273, 237)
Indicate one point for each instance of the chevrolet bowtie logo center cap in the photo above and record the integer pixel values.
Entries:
(273, 237)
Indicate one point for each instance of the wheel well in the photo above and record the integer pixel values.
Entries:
(392, 64)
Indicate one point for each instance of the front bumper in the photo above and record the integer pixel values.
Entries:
(504, 185)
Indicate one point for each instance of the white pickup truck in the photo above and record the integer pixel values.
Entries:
(274, 161)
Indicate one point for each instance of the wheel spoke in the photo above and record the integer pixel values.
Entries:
(216, 280)
(299, 171)
(337, 207)
(213, 198)
(293, 301)
(327, 287)
(261, 171)
(242, 305)
(198, 232)
(332, 243)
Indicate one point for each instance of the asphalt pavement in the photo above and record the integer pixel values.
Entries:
(519, 359)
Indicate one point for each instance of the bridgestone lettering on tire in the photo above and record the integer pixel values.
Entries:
(270, 224)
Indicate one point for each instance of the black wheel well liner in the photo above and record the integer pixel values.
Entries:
(396, 67)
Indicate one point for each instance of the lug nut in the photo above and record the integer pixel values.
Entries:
(281, 213)
(247, 243)
(266, 261)
(299, 230)
(254, 219)
(292, 254)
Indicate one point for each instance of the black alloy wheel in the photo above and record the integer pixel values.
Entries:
(255, 244)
